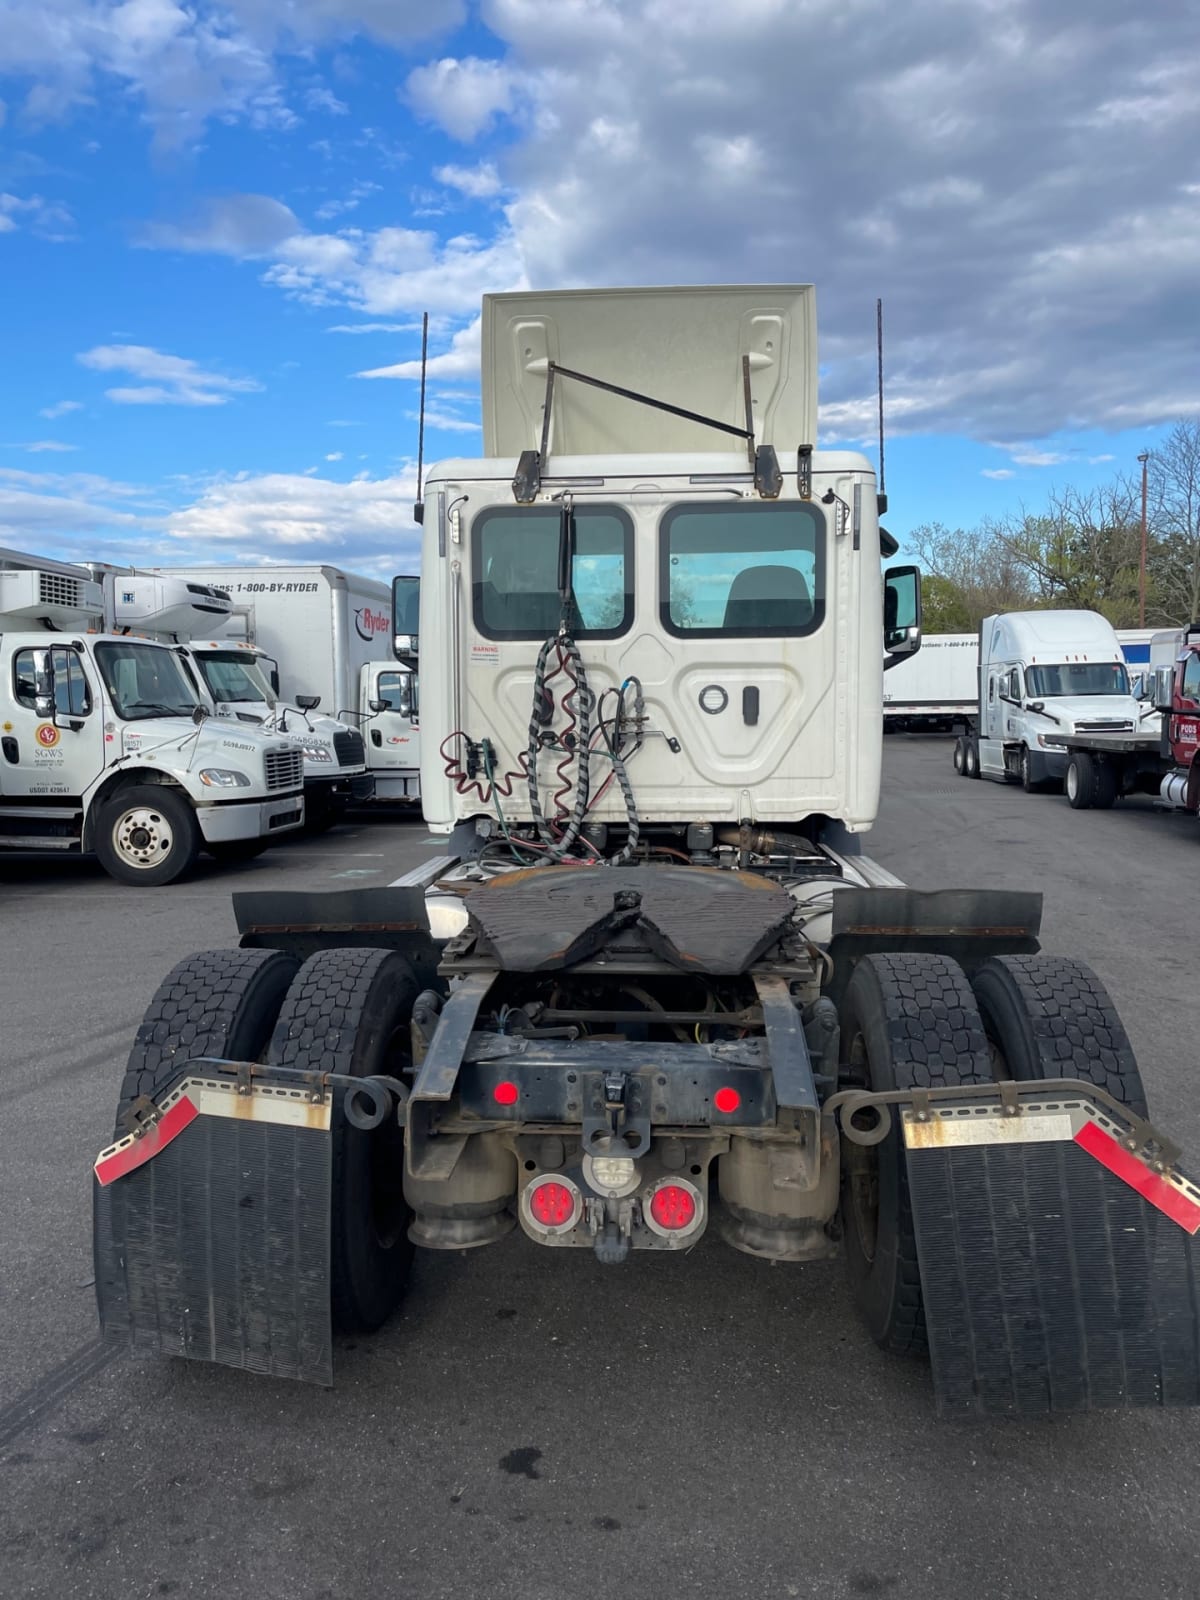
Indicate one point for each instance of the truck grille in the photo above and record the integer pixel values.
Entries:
(349, 748)
(1113, 726)
(285, 769)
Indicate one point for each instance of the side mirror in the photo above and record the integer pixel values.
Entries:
(1162, 683)
(1036, 705)
(377, 706)
(406, 616)
(901, 614)
(73, 724)
(308, 702)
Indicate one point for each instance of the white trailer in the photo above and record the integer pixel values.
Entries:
(107, 747)
(1043, 675)
(330, 633)
(936, 689)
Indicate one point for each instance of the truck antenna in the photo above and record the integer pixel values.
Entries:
(419, 508)
(882, 496)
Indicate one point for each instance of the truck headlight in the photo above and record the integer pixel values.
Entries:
(317, 752)
(224, 778)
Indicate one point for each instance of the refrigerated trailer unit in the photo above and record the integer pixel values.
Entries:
(330, 632)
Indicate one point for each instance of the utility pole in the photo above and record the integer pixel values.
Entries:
(1144, 458)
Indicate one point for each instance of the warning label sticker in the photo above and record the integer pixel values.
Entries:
(485, 655)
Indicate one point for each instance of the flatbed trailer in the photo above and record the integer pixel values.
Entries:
(1105, 767)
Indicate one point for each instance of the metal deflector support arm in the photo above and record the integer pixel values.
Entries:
(768, 479)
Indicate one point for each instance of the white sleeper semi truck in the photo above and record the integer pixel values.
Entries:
(239, 680)
(1043, 674)
(331, 634)
(652, 988)
(107, 747)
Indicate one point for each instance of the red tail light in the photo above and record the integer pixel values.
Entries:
(506, 1093)
(673, 1208)
(553, 1205)
(727, 1099)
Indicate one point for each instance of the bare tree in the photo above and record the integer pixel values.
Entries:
(1082, 550)
(1174, 482)
(977, 566)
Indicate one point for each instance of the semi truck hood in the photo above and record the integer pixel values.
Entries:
(1083, 712)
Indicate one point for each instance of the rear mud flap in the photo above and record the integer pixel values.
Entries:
(1058, 1269)
(211, 1231)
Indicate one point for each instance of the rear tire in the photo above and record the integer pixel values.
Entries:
(1028, 782)
(1051, 1017)
(349, 1011)
(908, 1021)
(147, 835)
(960, 755)
(971, 757)
(215, 1003)
(1089, 783)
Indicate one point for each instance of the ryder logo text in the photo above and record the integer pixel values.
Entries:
(370, 624)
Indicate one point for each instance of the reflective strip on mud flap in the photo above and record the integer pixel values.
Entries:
(1051, 1278)
(957, 1126)
(208, 1097)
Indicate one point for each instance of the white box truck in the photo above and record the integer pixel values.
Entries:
(107, 747)
(936, 688)
(330, 633)
(1042, 675)
(239, 680)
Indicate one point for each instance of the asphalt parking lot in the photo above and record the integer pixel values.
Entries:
(535, 1425)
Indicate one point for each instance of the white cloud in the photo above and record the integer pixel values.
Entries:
(60, 408)
(169, 380)
(375, 327)
(1025, 457)
(999, 473)
(462, 97)
(1095, 461)
(46, 446)
(460, 361)
(436, 417)
(322, 99)
(241, 225)
(186, 63)
(350, 202)
(362, 524)
(335, 455)
(477, 183)
(45, 218)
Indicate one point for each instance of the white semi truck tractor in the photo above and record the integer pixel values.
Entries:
(330, 633)
(240, 680)
(651, 988)
(106, 746)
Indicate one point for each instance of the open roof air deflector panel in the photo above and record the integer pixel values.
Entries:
(684, 346)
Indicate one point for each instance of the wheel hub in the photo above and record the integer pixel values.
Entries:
(142, 837)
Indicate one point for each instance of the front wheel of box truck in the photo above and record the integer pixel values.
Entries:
(908, 1021)
(147, 835)
(350, 1011)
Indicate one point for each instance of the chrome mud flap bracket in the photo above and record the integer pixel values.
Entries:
(211, 1226)
(1056, 1242)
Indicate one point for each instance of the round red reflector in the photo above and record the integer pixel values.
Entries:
(673, 1207)
(727, 1099)
(506, 1094)
(552, 1204)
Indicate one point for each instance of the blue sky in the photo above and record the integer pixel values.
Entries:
(197, 203)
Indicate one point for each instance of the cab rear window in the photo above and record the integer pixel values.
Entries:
(514, 558)
(742, 571)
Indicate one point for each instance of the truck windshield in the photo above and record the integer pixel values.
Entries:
(1076, 678)
(145, 680)
(230, 675)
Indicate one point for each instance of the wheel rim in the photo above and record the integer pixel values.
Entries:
(958, 758)
(142, 837)
(1072, 782)
(1026, 770)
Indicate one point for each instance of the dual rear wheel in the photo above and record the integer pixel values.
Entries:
(343, 1011)
(915, 1021)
